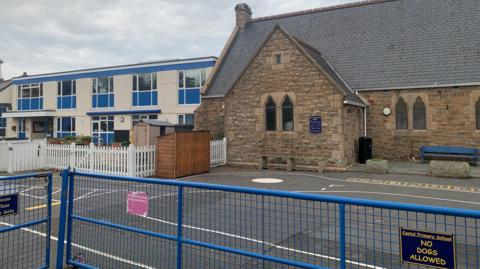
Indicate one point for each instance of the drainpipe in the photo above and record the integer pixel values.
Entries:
(364, 121)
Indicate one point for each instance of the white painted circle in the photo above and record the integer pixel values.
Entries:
(267, 180)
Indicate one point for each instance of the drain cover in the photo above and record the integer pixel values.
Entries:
(267, 180)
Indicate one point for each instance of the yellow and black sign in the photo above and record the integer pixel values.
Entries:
(427, 248)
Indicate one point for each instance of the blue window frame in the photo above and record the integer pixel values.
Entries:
(67, 94)
(102, 92)
(3, 121)
(189, 84)
(30, 97)
(65, 127)
(145, 89)
(103, 130)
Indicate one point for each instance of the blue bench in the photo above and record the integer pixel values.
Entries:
(450, 152)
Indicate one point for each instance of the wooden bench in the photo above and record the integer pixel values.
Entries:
(291, 162)
(450, 152)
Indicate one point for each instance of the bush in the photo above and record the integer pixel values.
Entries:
(70, 138)
(85, 139)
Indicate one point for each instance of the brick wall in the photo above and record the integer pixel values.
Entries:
(450, 120)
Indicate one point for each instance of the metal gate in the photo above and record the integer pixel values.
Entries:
(25, 220)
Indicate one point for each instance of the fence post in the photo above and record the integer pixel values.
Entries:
(179, 227)
(10, 158)
(343, 261)
(90, 156)
(72, 155)
(224, 150)
(63, 217)
(131, 160)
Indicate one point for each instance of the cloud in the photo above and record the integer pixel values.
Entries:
(40, 36)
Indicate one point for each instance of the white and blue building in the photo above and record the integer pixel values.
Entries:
(105, 102)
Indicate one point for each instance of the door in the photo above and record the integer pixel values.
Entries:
(22, 133)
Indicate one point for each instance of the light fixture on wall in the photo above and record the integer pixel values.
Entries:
(386, 111)
(122, 119)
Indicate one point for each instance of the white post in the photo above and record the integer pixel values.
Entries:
(10, 158)
(131, 160)
(42, 147)
(90, 157)
(224, 150)
(72, 156)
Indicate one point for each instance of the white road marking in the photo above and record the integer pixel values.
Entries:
(396, 194)
(94, 251)
(85, 195)
(333, 185)
(324, 189)
(266, 243)
(29, 189)
(38, 197)
(55, 192)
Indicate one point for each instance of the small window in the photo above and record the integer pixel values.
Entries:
(419, 122)
(477, 114)
(270, 115)
(287, 114)
(278, 58)
(401, 112)
(186, 119)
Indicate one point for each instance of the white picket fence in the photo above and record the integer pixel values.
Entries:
(218, 152)
(119, 161)
(16, 156)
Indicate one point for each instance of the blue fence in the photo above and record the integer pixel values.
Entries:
(25, 219)
(120, 222)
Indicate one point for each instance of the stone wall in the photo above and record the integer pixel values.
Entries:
(312, 93)
(352, 129)
(450, 120)
(210, 116)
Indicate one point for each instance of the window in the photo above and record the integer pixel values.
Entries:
(103, 130)
(287, 114)
(65, 127)
(102, 92)
(30, 97)
(186, 119)
(477, 114)
(66, 94)
(137, 118)
(419, 122)
(401, 112)
(145, 89)
(270, 115)
(278, 58)
(3, 121)
(189, 84)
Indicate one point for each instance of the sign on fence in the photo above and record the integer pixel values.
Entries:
(8, 204)
(137, 203)
(426, 248)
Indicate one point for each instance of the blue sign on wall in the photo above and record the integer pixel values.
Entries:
(315, 124)
(8, 204)
(426, 248)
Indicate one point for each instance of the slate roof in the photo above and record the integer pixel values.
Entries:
(381, 44)
(4, 84)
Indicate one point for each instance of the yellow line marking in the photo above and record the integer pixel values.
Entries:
(429, 186)
(41, 206)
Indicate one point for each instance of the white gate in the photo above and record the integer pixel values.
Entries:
(16, 156)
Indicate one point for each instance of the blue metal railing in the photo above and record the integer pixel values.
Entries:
(25, 231)
(237, 227)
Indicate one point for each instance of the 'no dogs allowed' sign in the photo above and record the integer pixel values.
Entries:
(426, 248)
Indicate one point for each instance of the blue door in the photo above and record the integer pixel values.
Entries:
(22, 134)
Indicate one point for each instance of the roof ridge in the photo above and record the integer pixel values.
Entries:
(320, 9)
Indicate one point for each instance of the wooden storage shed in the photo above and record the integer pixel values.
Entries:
(145, 132)
(183, 153)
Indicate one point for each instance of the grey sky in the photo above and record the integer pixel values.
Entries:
(58, 35)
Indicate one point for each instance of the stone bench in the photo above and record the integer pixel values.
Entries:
(291, 162)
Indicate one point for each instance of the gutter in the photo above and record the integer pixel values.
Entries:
(422, 86)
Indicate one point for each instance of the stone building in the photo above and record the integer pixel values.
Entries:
(406, 73)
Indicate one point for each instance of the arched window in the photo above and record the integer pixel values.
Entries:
(401, 112)
(477, 113)
(419, 122)
(287, 114)
(270, 115)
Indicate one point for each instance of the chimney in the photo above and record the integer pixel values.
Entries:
(1, 74)
(243, 14)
